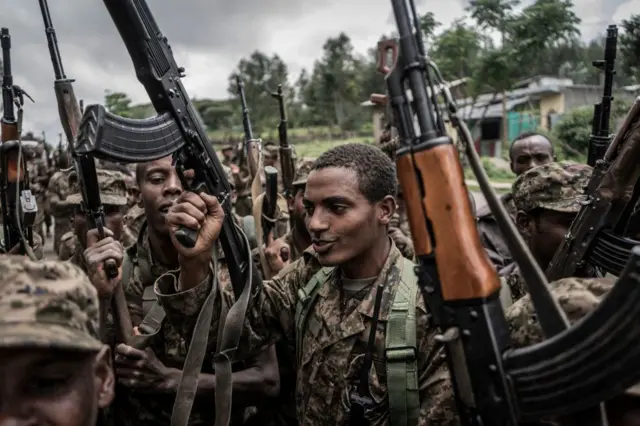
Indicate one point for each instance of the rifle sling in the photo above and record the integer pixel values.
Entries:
(188, 386)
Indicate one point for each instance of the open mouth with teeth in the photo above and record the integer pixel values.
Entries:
(165, 209)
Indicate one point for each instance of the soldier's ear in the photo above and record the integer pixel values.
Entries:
(522, 221)
(387, 208)
(104, 377)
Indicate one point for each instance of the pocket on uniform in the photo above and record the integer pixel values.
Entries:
(377, 384)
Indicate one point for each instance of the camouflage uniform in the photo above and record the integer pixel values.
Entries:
(172, 342)
(48, 304)
(133, 220)
(58, 191)
(335, 342)
(272, 150)
(113, 191)
(553, 186)
(38, 177)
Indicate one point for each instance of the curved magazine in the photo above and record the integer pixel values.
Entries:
(593, 361)
(108, 136)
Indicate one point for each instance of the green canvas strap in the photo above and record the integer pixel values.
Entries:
(401, 351)
(306, 298)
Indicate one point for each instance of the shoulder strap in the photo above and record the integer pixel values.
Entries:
(401, 351)
(306, 298)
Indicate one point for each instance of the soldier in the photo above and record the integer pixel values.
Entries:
(527, 151)
(54, 369)
(39, 181)
(547, 199)
(134, 217)
(577, 297)
(227, 153)
(58, 191)
(242, 181)
(326, 302)
(149, 379)
(113, 194)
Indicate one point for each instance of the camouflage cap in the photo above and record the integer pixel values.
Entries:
(553, 186)
(113, 188)
(576, 296)
(303, 168)
(47, 304)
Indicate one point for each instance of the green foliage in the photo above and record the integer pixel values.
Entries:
(573, 131)
(118, 103)
(629, 46)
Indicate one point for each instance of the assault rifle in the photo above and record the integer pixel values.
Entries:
(597, 237)
(494, 385)
(600, 137)
(85, 167)
(19, 206)
(286, 151)
(252, 146)
(177, 130)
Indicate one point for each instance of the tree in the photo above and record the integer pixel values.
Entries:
(333, 85)
(428, 25)
(457, 50)
(260, 75)
(629, 46)
(118, 103)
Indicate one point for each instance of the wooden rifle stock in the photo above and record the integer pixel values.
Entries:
(9, 131)
(463, 267)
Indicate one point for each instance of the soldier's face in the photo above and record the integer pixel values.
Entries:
(529, 153)
(270, 160)
(546, 232)
(53, 388)
(296, 207)
(344, 226)
(160, 186)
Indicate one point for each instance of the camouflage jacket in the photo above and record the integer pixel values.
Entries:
(172, 342)
(334, 345)
(58, 191)
(515, 281)
(133, 220)
(491, 235)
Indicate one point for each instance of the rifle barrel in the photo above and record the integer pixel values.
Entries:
(52, 41)
(7, 78)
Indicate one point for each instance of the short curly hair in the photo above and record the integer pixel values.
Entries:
(376, 172)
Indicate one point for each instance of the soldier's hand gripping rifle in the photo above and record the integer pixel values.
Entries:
(85, 168)
(19, 206)
(177, 130)
(572, 372)
(600, 137)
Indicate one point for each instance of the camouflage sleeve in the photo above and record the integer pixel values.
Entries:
(133, 291)
(437, 402)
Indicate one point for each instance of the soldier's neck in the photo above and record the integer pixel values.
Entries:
(369, 263)
(162, 248)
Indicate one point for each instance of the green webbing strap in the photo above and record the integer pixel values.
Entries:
(306, 298)
(401, 351)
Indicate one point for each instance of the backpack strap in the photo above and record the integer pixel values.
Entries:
(401, 351)
(306, 298)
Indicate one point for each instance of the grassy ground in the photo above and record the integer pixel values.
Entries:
(314, 149)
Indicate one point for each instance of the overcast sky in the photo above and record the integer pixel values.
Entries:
(208, 38)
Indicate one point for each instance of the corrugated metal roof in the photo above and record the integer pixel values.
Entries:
(477, 111)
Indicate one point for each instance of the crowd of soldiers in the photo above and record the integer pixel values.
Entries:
(316, 336)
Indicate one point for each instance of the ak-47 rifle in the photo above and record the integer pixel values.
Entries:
(252, 146)
(493, 385)
(19, 206)
(177, 130)
(286, 151)
(600, 137)
(85, 169)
